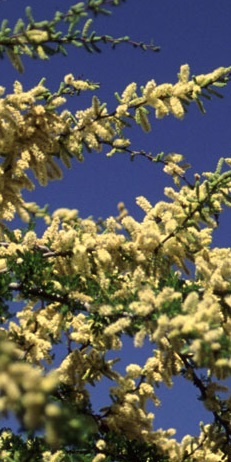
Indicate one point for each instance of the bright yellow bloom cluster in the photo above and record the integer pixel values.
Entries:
(34, 134)
(97, 282)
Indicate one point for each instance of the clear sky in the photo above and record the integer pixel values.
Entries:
(194, 32)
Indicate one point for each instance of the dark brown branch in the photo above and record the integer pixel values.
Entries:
(41, 294)
(218, 419)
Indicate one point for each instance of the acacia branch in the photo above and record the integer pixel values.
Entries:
(218, 416)
(42, 294)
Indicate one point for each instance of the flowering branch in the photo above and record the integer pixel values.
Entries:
(42, 39)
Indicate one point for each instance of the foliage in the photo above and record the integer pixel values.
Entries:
(42, 39)
(87, 285)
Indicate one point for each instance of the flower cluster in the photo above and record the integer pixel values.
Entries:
(34, 135)
(94, 283)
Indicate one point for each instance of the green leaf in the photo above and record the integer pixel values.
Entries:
(200, 105)
(62, 50)
(87, 46)
(214, 92)
(227, 198)
(76, 43)
(219, 84)
(15, 60)
(4, 25)
(28, 12)
(95, 47)
(19, 26)
(86, 27)
(204, 95)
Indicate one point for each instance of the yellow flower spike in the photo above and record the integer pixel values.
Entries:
(184, 73)
(142, 119)
(144, 204)
(100, 457)
(176, 107)
(128, 93)
(117, 326)
(37, 35)
(41, 52)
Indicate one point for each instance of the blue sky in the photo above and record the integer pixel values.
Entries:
(193, 32)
